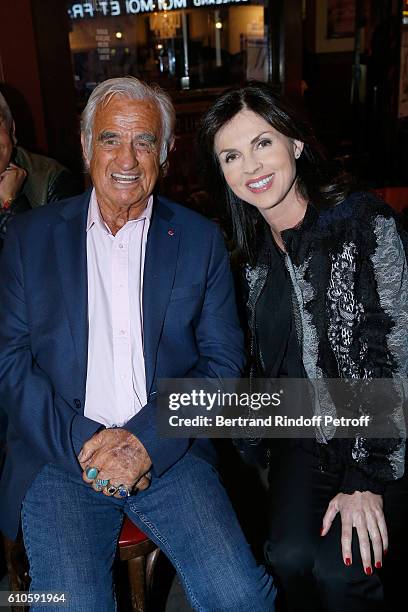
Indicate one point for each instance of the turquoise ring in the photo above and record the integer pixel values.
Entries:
(100, 482)
(91, 473)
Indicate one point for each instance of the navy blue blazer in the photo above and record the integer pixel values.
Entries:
(190, 330)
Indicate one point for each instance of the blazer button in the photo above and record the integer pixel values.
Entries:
(77, 403)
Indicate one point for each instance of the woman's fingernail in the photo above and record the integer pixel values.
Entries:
(321, 530)
(385, 552)
(368, 571)
(348, 561)
(378, 565)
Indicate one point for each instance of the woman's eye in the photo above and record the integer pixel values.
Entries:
(230, 157)
(265, 142)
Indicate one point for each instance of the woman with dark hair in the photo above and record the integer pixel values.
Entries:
(326, 287)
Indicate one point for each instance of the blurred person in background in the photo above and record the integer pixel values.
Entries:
(27, 180)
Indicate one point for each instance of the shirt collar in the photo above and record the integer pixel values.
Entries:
(95, 217)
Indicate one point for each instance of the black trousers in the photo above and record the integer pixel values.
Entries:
(309, 569)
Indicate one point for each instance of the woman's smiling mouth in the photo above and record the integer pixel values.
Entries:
(261, 184)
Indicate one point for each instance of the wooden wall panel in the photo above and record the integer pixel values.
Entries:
(20, 72)
(37, 77)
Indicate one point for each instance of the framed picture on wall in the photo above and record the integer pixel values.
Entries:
(341, 17)
(334, 25)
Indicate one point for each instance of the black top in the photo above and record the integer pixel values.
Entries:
(277, 338)
(278, 345)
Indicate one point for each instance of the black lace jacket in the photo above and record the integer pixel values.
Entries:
(348, 267)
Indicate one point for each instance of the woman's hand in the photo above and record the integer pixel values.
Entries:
(364, 511)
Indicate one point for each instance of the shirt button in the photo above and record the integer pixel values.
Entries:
(121, 246)
(123, 332)
(77, 403)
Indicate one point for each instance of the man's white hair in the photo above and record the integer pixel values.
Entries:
(132, 88)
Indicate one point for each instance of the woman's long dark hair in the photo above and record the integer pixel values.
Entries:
(317, 181)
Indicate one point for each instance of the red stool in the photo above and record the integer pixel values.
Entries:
(134, 547)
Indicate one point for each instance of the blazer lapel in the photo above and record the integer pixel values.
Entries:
(158, 278)
(70, 248)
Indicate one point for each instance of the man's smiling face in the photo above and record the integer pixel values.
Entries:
(125, 161)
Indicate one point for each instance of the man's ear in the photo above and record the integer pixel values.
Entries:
(164, 168)
(84, 153)
(13, 133)
(165, 165)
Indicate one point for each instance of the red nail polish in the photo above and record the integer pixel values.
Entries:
(348, 561)
(378, 565)
(368, 571)
(321, 530)
(385, 552)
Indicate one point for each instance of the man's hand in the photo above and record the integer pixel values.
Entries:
(11, 181)
(364, 511)
(119, 457)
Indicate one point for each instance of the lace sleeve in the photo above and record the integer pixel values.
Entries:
(379, 349)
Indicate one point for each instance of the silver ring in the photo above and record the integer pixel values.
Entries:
(111, 489)
(148, 475)
(123, 491)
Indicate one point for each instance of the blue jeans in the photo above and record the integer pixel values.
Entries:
(71, 532)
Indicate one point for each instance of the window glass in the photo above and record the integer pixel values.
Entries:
(180, 44)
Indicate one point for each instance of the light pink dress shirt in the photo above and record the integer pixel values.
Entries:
(116, 379)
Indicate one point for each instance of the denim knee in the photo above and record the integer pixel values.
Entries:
(253, 596)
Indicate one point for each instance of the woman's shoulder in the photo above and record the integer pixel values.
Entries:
(359, 209)
(327, 230)
(365, 221)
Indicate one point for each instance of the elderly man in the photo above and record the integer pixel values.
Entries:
(27, 180)
(124, 288)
